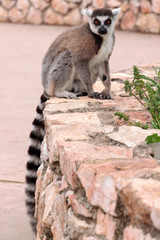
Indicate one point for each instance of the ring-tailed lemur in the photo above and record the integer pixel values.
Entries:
(70, 68)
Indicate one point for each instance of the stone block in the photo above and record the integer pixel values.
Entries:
(7, 4)
(53, 107)
(148, 23)
(50, 17)
(73, 153)
(74, 132)
(141, 23)
(156, 6)
(122, 76)
(117, 88)
(86, 3)
(128, 20)
(105, 225)
(44, 150)
(123, 104)
(74, 1)
(145, 6)
(3, 15)
(141, 198)
(113, 3)
(41, 5)
(64, 184)
(89, 238)
(60, 216)
(98, 3)
(124, 6)
(57, 232)
(39, 186)
(73, 18)
(51, 193)
(90, 118)
(77, 207)
(134, 5)
(40, 202)
(23, 4)
(60, 6)
(16, 15)
(77, 226)
(72, 5)
(99, 180)
(153, 23)
(142, 116)
(133, 233)
(34, 16)
(155, 213)
(49, 176)
(131, 136)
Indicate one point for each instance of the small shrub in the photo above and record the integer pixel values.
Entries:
(147, 92)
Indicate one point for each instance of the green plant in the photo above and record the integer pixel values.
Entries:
(147, 92)
(154, 138)
(124, 116)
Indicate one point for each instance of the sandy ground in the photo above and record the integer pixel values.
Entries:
(22, 48)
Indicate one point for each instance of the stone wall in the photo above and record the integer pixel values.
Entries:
(97, 180)
(138, 15)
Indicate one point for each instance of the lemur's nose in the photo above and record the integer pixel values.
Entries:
(102, 30)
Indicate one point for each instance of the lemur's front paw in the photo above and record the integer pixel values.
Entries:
(94, 95)
(105, 95)
(82, 94)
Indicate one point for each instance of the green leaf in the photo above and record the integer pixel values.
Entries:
(149, 79)
(122, 115)
(152, 138)
(154, 124)
(145, 126)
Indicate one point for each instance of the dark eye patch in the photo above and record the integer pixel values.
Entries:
(108, 22)
(96, 22)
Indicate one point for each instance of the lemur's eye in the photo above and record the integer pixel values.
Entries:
(96, 22)
(107, 22)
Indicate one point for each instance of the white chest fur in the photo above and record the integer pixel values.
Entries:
(104, 51)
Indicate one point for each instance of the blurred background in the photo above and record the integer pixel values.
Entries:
(27, 28)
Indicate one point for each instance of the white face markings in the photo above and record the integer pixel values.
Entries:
(99, 21)
(104, 20)
(101, 25)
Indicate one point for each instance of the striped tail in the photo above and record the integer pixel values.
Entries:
(33, 163)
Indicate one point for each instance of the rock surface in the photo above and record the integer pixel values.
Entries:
(136, 15)
(97, 179)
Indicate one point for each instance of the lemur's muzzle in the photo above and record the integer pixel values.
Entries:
(102, 30)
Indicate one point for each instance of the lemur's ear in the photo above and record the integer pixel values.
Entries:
(87, 12)
(115, 12)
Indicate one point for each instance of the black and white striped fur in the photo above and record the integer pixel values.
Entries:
(33, 163)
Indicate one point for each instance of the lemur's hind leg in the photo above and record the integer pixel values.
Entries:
(61, 76)
(79, 88)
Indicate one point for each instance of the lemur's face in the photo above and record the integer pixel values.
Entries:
(101, 24)
(102, 20)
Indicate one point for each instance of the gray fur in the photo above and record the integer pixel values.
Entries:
(66, 71)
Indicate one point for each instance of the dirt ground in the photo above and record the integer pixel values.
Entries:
(22, 48)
